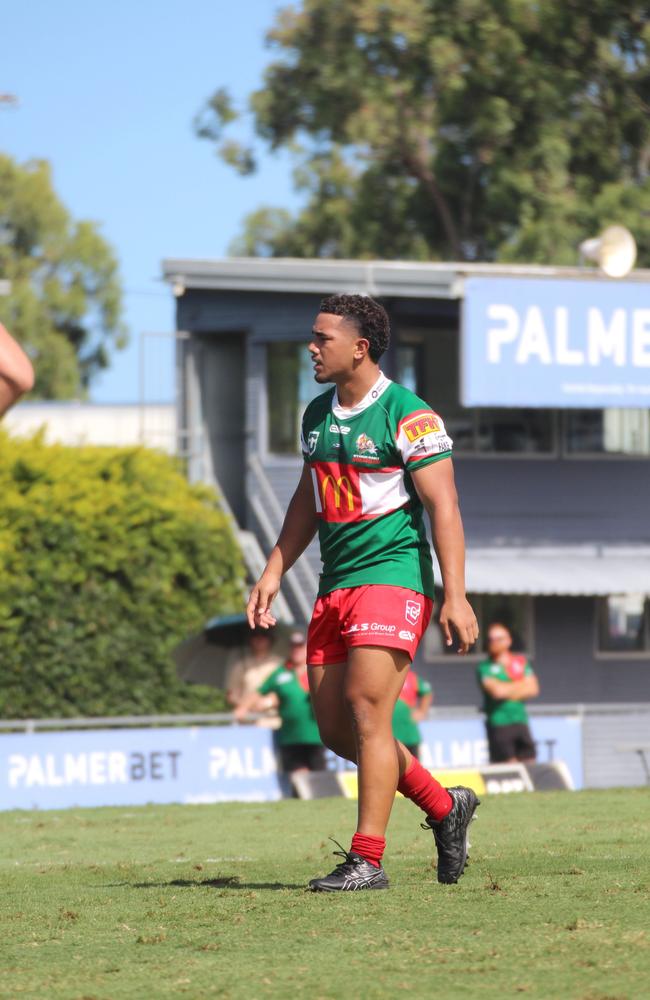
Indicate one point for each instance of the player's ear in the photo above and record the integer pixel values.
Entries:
(361, 348)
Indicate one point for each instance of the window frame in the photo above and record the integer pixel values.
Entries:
(581, 456)
(480, 654)
(631, 655)
(271, 458)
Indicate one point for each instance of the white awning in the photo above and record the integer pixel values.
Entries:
(571, 570)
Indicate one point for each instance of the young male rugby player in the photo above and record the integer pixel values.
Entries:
(375, 455)
(16, 372)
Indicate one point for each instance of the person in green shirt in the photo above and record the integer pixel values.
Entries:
(287, 689)
(412, 707)
(507, 680)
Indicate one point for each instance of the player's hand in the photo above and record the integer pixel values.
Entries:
(457, 616)
(258, 609)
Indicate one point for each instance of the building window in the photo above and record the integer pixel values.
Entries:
(512, 610)
(290, 386)
(501, 431)
(607, 432)
(427, 361)
(623, 624)
(408, 363)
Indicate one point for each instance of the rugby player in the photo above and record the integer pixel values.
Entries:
(375, 456)
(16, 372)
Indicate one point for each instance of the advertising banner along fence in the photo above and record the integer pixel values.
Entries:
(55, 770)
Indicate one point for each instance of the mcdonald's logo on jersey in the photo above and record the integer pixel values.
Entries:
(336, 488)
(419, 425)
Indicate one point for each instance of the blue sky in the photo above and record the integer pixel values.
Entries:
(107, 94)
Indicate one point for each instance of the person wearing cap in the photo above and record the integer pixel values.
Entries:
(250, 671)
(287, 690)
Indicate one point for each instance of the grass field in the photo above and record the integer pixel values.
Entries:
(208, 901)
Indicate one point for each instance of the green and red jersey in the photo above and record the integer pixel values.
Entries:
(294, 706)
(500, 712)
(405, 728)
(371, 526)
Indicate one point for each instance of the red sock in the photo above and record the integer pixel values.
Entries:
(420, 787)
(370, 848)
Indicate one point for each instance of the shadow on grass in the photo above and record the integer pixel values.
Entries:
(227, 882)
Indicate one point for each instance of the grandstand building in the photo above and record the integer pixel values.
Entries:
(551, 439)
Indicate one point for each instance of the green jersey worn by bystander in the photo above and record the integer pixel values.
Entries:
(371, 528)
(499, 712)
(294, 707)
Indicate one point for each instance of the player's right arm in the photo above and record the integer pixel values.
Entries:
(297, 532)
(16, 372)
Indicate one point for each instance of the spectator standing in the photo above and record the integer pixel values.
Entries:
(250, 671)
(412, 707)
(507, 680)
(287, 690)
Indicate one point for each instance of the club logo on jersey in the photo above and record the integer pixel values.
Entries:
(312, 441)
(365, 445)
(412, 612)
(421, 425)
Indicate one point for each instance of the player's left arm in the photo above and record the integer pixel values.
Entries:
(437, 490)
(16, 372)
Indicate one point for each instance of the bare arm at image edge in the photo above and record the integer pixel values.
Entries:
(16, 372)
(437, 491)
(297, 532)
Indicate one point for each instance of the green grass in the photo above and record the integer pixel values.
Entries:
(208, 901)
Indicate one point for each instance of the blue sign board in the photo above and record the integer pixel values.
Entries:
(116, 767)
(537, 342)
(448, 743)
(136, 766)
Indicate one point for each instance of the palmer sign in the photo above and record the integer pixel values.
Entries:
(538, 342)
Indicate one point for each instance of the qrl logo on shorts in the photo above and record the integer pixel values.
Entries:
(412, 612)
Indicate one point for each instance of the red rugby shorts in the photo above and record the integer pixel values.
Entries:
(371, 615)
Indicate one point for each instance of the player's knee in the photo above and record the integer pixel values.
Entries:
(366, 714)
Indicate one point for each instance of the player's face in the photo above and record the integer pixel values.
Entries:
(335, 347)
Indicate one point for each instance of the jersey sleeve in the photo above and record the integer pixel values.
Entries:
(528, 669)
(422, 438)
(269, 686)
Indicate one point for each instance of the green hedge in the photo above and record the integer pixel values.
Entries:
(108, 559)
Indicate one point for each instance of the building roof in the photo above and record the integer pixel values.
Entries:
(403, 279)
(584, 570)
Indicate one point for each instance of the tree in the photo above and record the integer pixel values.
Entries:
(466, 129)
(65, 301)
(109, 560)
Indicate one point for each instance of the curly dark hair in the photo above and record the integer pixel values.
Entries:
(370, 319)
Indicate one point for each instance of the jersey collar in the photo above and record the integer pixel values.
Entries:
(377, 390)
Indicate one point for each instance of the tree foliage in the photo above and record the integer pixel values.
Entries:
(466, 129)
(109, 559)
(65, 303)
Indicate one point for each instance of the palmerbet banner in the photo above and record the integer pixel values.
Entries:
(200, 764)
(544, 342)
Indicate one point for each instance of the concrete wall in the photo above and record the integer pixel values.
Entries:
(153, 425)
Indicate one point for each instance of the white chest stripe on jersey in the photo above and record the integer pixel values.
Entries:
(382, 491)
